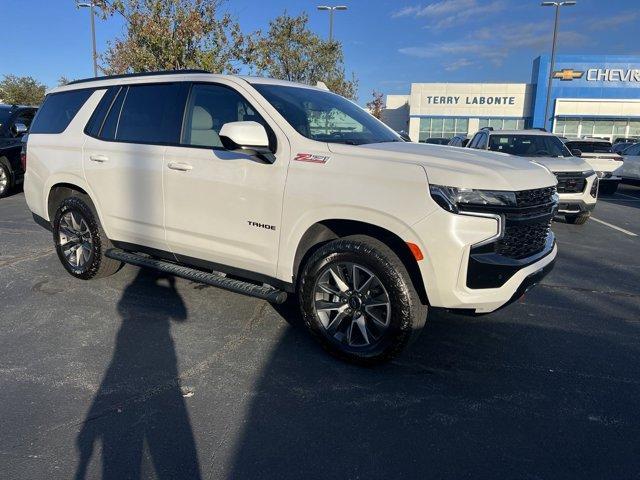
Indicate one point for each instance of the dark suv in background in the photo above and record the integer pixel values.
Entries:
(15, 121)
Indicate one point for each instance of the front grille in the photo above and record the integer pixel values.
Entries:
(535, 197)
(571, 182)
(522, 241)
(526, 226)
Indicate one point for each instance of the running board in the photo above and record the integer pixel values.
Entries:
(264, 292)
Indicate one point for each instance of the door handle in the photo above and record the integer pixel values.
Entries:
(98, 158)
(182, 167)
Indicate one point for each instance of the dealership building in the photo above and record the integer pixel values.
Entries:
(590, 96)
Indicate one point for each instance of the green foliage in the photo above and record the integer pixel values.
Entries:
(376, 105)
(291, 51)
(172, 35)
(21, 90)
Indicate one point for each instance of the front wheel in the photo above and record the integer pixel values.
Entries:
(358, 300)
(577, 219)
(80, 241)
(5, 180)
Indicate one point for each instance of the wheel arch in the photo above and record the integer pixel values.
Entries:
(324, 231)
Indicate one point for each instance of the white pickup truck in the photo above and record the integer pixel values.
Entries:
(280, 189)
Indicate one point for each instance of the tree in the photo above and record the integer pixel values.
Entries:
(291, 51)
(62, 81)
(173, 35)
(376, 105)
(21, 90)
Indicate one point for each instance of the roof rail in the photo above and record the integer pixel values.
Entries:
(133, 75)
(490, 129)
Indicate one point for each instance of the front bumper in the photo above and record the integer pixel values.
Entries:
(446, 240)
(574, 206)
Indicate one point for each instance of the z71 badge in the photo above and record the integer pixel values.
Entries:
(311, 158)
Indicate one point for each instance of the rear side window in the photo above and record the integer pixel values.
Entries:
(147, 114)
(58, 110)
(95, 122)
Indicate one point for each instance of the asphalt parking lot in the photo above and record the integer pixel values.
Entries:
(143, 376)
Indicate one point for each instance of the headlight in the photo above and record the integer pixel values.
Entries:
(453, 198)
(587, 173)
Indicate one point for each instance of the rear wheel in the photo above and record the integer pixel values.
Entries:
(577, 219)
(358, 300)
(80, 241)
(5, 180)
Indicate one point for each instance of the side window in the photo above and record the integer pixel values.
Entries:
(474, 141)
(152, 113)
(97, 118)
(634, 150)
(25, 117)
(209, 108)
(482, 141)
(110, 124)
(58, 109)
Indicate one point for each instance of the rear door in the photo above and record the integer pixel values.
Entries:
(224, 207)
(123, 159)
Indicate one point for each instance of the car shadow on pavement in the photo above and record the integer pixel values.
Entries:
(511, 395)
(138, 419)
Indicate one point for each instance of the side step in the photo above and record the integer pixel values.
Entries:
(216, 280)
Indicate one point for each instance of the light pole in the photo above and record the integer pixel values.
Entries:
(91, 6)
(331, 10)
(566, 3)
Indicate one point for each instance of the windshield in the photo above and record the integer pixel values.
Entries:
(590, 147)
(325, 116)
(528, 145)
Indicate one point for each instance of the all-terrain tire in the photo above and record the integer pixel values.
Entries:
(97, 265)
(407, 313)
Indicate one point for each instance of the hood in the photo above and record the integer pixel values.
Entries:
(457, 166)
(562, 164)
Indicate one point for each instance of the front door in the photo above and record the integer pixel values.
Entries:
(221, 206)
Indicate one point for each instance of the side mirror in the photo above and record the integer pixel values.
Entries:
(19, 129)
(404, 135)
(248, 137)
(576, 152)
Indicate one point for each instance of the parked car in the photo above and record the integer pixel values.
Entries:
(436, 141)
(606, 163)
(189, 172)
(577, 182)
(620, 147)
(458, 141)
(631, 165)
(15, 121)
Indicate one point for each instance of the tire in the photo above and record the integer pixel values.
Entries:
(607, 188)
(360, 333)
(6, 181)
(577, 219)
(76, 223)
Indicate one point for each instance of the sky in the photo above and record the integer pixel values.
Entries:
(388, 44)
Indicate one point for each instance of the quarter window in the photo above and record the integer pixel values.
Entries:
(58, 110)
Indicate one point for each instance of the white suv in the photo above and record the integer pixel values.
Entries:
(577, 181)
(287, 189)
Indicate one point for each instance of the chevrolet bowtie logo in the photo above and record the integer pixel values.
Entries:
(567, 74)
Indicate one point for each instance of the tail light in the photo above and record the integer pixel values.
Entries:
(23, 157)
